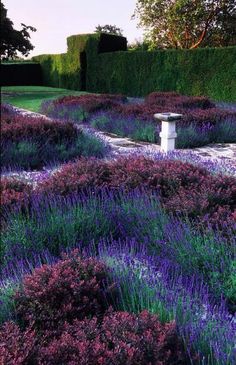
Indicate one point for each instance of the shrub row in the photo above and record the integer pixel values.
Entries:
(202, 123)
(183, 188)
(21, 74)
(54, 223)
(33, 142)
(197, 110)
(20, 127)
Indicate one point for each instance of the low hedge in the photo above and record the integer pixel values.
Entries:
(21, 74)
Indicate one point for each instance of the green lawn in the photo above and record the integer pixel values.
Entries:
(31, 97)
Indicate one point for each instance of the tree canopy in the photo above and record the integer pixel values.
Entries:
(187, 23)
(110, 29)
(12, 40)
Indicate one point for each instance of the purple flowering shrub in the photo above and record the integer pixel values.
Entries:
(173, 99)
(91, 103)
(13, 192)
(16, 346)
(20, 127)
(120, 338)
(34, 142)
(183, 188)
(73, 288)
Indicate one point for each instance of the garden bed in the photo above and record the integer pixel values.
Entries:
(128, 260)
(202, 121)
(28, 142)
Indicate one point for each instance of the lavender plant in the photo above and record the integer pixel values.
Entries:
(125, 127)
(31, 154)
(187, 136)
(154, 283)
(59, 111)
(157, 285)
(55, 223)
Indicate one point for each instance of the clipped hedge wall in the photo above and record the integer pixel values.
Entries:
(74, 69)
(25, 73)
(207, 71)
(101, 63)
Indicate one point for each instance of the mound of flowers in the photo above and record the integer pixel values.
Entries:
(32, 142)
(79, 108)
(62, 317)
(13, 192)
(182, 187)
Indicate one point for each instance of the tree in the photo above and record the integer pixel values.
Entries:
(12, 40)
(187, 23)
(110, 29)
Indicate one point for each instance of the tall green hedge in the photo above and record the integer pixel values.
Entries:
(65, 70)
(206, 71)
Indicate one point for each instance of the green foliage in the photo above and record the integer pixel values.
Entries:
(190, 72)
(135, 129)
(187, 23)
(12, 40)
(7, 291)
(65, 70)
(30, 155)
(110, 29)
(209, 72)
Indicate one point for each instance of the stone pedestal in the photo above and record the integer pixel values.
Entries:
(168, 131)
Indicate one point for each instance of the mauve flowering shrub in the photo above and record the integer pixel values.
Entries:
(176, 100)
(142, 112)
(17, 347)
(197, 117)
(92, 102)
(16, 128)
(129, 173)
(183, 188)
(121, 339)
(13, 191)
(32, 143)
(197, 127)
(73, 288)
(208, 116)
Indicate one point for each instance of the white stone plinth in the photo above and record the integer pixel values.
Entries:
(168, 130)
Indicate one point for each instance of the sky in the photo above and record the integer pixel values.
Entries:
(55, 20)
